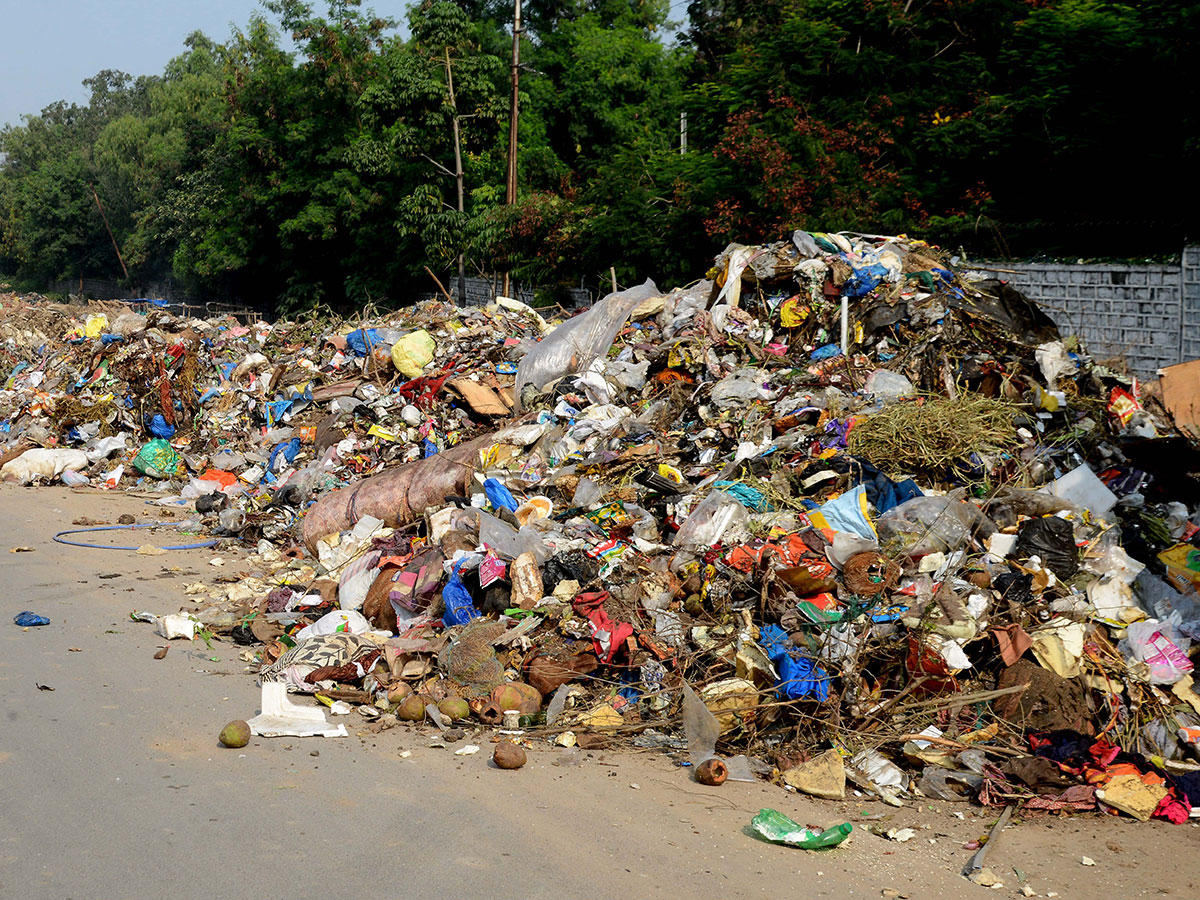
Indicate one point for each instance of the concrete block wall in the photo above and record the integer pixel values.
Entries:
(1190, 330)
(1149, 315)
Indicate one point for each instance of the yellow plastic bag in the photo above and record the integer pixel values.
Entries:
(412, 353)
(96, 326)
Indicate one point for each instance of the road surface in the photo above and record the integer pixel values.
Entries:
(114, 786)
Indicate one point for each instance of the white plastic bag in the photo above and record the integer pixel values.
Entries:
(710, 520)
(573, 345)
(340, 620)
(1160, 646)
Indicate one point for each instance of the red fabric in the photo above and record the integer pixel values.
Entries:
(607, 636)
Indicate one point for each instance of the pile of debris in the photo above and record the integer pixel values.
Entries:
(843, 511)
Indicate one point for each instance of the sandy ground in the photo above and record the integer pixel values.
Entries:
(113, 784)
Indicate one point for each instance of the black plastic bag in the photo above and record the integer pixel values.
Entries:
(1053, 541)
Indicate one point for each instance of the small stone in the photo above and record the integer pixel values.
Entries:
(315, 753)
(985, 877)
(1028, 891)
(1088, 861)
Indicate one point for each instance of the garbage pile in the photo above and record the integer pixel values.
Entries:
(840, 512)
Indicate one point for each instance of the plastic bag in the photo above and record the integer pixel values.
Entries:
(925, 525)
(710, 520)
(887, 385)
(1165, 602)
(499, 496)
(1009, 504)
(96, 325)
(1053, 541)
(336, 622)
(1161, 646)
(412, 353)
(459, 607)
(157, 459)
(741, 387)
(573, 345)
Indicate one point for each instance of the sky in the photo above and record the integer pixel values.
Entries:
(50, 46)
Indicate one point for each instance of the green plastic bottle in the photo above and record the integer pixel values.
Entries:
(779, 829)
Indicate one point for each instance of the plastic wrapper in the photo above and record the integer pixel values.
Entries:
(573, 345)
(337, 622)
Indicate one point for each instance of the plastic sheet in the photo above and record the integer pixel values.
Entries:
(398, 496)
(931, 525)
(573, 345)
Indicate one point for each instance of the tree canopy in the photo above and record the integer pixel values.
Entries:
(327, 174)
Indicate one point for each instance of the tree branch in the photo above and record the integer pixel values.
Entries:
(439, 166)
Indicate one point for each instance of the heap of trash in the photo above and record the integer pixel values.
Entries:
(840, 512)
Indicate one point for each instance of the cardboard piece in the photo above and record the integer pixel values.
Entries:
(1180, 386)
(479, 397)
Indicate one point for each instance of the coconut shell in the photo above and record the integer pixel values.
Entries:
(508, 755)
(398, 691)
(235, 735)
(519, 696)
(454, 708)
(411, 709)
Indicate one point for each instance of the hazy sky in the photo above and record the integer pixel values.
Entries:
(50, 46)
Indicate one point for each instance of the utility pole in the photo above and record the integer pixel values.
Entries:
(683, 133)
(458, 175)
(510, 191)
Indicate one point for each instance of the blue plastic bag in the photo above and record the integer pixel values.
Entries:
(864, 280)
(499, 495)
(799, 676)
(829, 351)
(289, 449)
(160, 429)
(460, 609)
(28, 619)
(362, 340)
